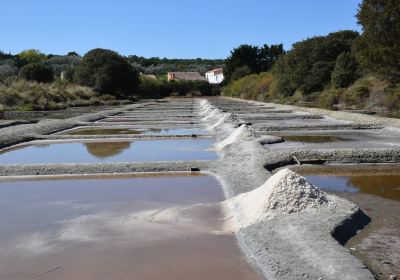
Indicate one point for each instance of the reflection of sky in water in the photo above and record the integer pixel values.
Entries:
(40, 217)
(92, 152)
(117, 131)
(333, 183)
(382, 185)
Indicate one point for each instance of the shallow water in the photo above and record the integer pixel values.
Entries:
(386, 186)
(130, 228)
(117, 151)
(119, 131)
(311, 138)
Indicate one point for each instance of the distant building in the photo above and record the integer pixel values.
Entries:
(185, 76)
(215, 76)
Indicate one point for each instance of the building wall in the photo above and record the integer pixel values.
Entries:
(214, 78)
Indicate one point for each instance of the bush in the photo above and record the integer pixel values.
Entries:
(329, 98)
(108, 73)
(151, 88)
(36, 72)
(308, 66)
(31, 56)
(256, 87)
(240, 72)
(357, 93)
(26, 95)
(8, 68)
(345, 71)
(62, 63)
(392, 100)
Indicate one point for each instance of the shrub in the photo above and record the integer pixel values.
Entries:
(26, 95)
(240, 72)
(36, 72)
(345, 71)
(309, 64)
(62, 63)
(357, 93)
(32, 56)
(256, 87)
(8, 68)
(329, 98)
(392, 100)
(108, 73)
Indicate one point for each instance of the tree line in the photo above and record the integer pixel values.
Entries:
(105, 71)
(344, 67)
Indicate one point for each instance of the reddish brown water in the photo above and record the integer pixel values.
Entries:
(379, 182)
(128, 228)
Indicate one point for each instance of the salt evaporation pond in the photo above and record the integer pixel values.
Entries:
(110, 151)
(119, 131)
(119, 228)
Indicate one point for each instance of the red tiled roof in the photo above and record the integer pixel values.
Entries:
(217, 70)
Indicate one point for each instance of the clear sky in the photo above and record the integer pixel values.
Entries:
(167, 28)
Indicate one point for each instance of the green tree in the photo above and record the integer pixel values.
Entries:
(378, 49)
(32, 56)
(345, 71)
(257, 59)
(309, 64)
(107, 72)
(38, 72)
(268, 55)
(244, 55)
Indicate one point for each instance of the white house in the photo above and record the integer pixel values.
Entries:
(215, 76)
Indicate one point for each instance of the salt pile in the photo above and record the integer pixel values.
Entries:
(227, 118)
(284, 193)
(240, 134)
(213, 114)
(206, 110)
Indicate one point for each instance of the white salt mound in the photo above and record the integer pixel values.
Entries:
(227, 118)
(284, 193)
(240, 134)
(213, 114)
(206, 110)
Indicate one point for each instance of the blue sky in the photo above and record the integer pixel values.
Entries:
(167, 28)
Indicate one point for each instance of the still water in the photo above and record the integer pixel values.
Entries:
(106, 151)
(124, 228)
(119, 131)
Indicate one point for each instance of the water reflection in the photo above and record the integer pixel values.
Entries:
(386, 186)
(312, 138)
(132, 228)
(121, 131)
(103, 131)
(106, 149)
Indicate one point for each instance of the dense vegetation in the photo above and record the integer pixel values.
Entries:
(107, 72)
(342, 70)
(32, 80)
(247, 59)
(161, 66)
